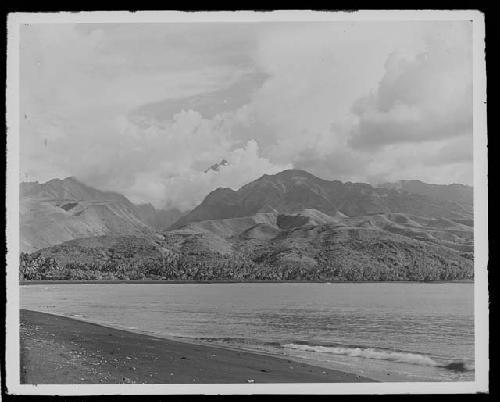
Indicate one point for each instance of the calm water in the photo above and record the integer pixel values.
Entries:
(386, 331)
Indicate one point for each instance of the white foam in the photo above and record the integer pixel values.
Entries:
(369, 353)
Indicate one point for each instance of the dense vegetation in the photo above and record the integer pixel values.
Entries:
(348, 260)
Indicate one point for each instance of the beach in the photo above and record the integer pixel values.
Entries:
(61, 350)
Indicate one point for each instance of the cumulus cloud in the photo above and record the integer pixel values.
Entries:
(164, 164)
(422, 97)
(188, 188)
(145, 109)
(83, 89)
(427, 162)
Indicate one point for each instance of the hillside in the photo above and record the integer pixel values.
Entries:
(62, 210)
(291, 225)
(158, 219)
(458, 193)
(304, 246)
(227, 228)
(294, 190)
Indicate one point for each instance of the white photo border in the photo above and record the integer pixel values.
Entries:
(481, 313)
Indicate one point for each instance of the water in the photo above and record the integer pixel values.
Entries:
(386, 331)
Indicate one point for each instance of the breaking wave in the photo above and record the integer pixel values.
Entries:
(396, 356)
(371, 353)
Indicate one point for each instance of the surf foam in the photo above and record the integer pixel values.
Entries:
(371, 353)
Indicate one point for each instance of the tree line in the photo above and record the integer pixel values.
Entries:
(352, 261)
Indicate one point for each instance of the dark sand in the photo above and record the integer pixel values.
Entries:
(60, 350)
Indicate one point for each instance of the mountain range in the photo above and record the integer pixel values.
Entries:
(292, 225)
(61, 210)
(294, 190)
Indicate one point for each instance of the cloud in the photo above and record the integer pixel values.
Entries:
(447, 161)
(163, 164)
(145, 109)
(338, 164)
(188, 188)
(82, 86)
(208, 104)
(421, 97)
(456, 150)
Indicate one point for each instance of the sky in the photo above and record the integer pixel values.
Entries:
(145, 108)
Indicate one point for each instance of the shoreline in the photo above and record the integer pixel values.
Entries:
(61, 350)
(187, 282)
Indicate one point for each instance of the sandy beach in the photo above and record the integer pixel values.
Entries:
(61, 350)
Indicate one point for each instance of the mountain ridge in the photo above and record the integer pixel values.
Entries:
(255, 249)
(293, 190)
(462, 192)
(291, 225)
(65, 209)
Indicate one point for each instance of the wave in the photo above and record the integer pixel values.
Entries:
(397, 356)
(371, 353)
(221, 339)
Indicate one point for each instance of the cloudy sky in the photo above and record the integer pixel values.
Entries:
(145, 109)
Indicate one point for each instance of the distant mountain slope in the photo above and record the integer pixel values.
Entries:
(227, 228)
(294, 190)
(268, 226)
(217, 166)
(158, 219)
(357, 253)
(61, 210)
(440, 231)
(309, 249)
(458, 193)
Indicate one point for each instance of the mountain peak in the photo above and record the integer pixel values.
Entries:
(216, 166)
(294, 173)
(58, 180)
(72, 179)
(293, 190)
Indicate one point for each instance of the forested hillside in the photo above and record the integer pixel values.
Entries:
(329, 254)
